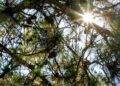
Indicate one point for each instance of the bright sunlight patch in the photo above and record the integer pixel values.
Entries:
(87, 17)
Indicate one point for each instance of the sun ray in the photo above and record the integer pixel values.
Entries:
(88, 17)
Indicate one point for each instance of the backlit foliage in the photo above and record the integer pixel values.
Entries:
(59, 42)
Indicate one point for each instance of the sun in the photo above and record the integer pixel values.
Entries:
(87, 17)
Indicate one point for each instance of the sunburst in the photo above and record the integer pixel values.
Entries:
(88, 17)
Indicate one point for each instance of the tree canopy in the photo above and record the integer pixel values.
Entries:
(59, 42)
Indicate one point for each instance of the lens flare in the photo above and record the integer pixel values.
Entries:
(88, 17)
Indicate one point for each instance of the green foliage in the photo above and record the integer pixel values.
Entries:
(48, 43)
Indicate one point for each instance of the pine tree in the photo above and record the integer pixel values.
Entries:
(49, 43)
